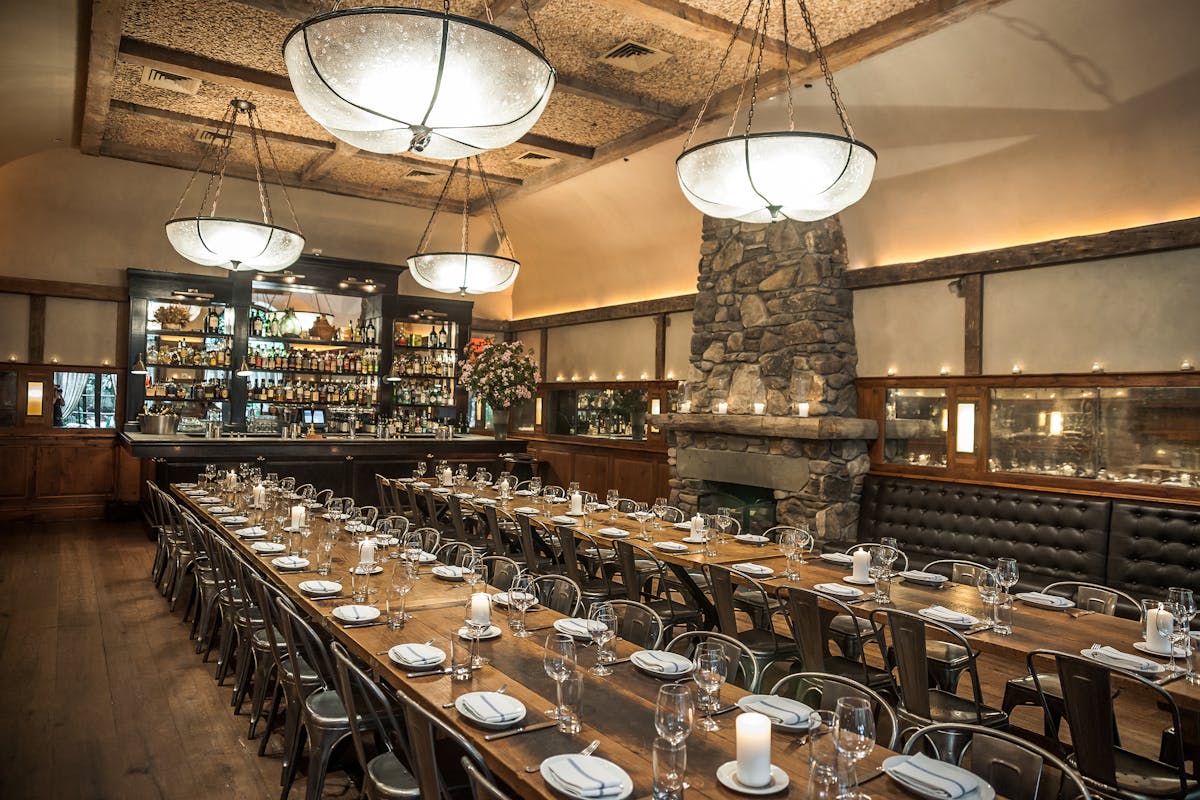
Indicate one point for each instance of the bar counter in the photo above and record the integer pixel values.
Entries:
(348, 466)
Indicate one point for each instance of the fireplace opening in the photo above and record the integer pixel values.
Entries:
(752, 506)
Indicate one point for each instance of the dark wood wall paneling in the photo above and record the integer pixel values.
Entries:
(636, 470)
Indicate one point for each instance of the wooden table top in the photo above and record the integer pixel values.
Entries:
(618, 710)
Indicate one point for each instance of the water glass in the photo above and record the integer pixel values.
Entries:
(325, 553)
(724, 521)
(603, 634)
(710, 542)
(674, 712)
(460, 659)
(1003, 624)
(854, 733)
(883, 587)
(613, 497)
(589, 510)
(670, 764)
(520, 600)
(570, 703)
(826, 773)
(360, 582)
(711, 672)
(395, 607)
(1193, 658)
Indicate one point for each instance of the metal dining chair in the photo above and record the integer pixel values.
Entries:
(1098, 599)
(558, 593)
(381, 740)
(809, 613)
(455, 554)
(766, 646)
(502, 571)
(821, 691)
(431, 539)
(436, 748)
(416, 504)
(1013, 766)
(535, 549)
(964, 572)
(852, 633)
(593, 587)
(1105, 765)
(743, 668)
(482, 787)
(637, 623)
(647, 579)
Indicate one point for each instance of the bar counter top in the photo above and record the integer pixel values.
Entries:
(146, 445)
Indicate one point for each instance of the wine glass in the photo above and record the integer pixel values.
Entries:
(660, 504)
(613, 497)
(674, 712)
(521, 599)
(1007, 570)
(854, 735)
(412, 548)
(724, 520)
(1182, 605)
(989, 590)
(641, 512)
(559, 662)
(210, 472)
(711, 672)
(402, 584)
(422, 468)
(789, 547)
(809, 544)
(891, 551)
(603, 632)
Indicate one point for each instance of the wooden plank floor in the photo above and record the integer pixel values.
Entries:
(102, 694)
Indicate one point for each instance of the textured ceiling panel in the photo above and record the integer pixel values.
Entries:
(833, 19)
(583, 120)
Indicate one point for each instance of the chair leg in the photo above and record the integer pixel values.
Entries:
(271, 717)
(293, 746)
(264, 679)
(319, 753)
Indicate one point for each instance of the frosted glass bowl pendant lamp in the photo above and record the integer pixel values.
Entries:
(392, 79)
(463, 271)
(235, 244)
(774, 175)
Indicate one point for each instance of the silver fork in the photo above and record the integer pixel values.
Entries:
(587, 751)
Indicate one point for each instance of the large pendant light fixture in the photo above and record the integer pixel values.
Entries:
(767, 177)
(235, 244)
(464, 272)
(391, 80)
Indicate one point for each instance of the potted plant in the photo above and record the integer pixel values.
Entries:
(172, 317)
(633, 403)
(501, 374)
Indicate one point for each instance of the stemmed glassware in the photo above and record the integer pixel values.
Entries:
(1182, 605)
(604, 632)
(412, 551)
(674, 712)
(659, 508)
(613, 497)
(559, 662)
(854, 735)
(476, 627)
(989, 590)
(520, 600)
(711, 672)
(474, 572)
(789, 546)
(641, 512)
(724, 520)
(402, 584)
(210, 472)
(422, 469)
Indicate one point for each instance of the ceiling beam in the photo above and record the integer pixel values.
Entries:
(690, 22)
(510, 13)
(616, 97)
(102, 62)
(322, 163)
(912, 24)
(321, 145)
(291, 180)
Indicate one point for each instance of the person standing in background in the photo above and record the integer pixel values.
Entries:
(59, 402)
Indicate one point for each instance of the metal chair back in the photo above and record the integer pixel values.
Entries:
(639, 624)
(558, 593)
(965, 572)
(1097, 598)
(822, 690)
(742, 666)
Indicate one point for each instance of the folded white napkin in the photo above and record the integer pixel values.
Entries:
(320, 587)
(577, 626)
(675, 546)
(753, 569)
(492, 707)
(936, 778)
(463, 495)
(250, 533)
(663, 661)
(353, 613)
(523, 493)
(780, 709)
(683, 526)
(267, 547)
(525, 510)
(943, 614)
(614, 532)
(236, 519)
(587, 776)
(751, 538)
(561, 520)
(838, 589)
(220, 510)
(918, 575)
(359, 527)
(1115, 657)
(837, 558)
(1045, 599)
(503, 597)
(420, 485)
(487, 501)
(417, 655)
(448, 571)
(290, 562)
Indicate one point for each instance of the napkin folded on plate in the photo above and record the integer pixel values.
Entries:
(663, 661)
(463, 495)
(751, 538)
(267, 547)
(578, 627)
(838, 589)
(417, 655)
(492, 707)
(780, 709)
(752, 569)
(1115, 657)
(290, 562)
(837, 558)
(918, 575)
(561, 520)
(503, 597)
(587, 777)
(448, 571)
(525, 510)
(676, 546)
(249, 533)
(943, 614)
(1045, 599)
(420, 485)
(523, 493)
(936, 778)
(617, 532)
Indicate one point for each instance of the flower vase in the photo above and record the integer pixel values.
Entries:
(500, 422)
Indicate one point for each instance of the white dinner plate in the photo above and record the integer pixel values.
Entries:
(657, 663)
(983, 790)
(234, 519)
(837, 590)
(251, 533)
(727, 775)
(208, 501)
(613, 533)
(268, 547)
(859, 581)
(417, 656)
(836, 558)
(683, 526)
(578, 627)
(523, 493)
(1038, 599)
(563, 520)
(357, 569)
(501, 598)
(356, 613)
(916, 576)
(1152, 667)
(671, 547)
(751, 538)
(318, 588)
(220, 510)
(448, 572)
(1145, 648)
(753, 570)
(555, 767)
(491, 632)
(784, 713)
(188, 485)
(474, 705)
(290, 562)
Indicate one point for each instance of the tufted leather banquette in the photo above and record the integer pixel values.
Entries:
(1140, 548)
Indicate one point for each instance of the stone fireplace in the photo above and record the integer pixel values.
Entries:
(773, 327)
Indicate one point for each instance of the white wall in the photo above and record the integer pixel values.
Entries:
(14, 327)
(66, 322)
(679, 345)
(915, 329)
(605, 351)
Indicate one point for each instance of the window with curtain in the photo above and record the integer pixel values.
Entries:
(85, 400)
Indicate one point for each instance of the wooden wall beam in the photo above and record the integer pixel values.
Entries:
(543, 348)
(970, 289)
(79, 291)
(101, 69)
(661, 321)
(37, 328)
(1174, 235)
(642, 308)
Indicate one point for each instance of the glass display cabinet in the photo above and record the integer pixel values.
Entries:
(1046, 431)
(606, 413)
(915, 425)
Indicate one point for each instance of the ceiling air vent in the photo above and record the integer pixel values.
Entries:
(634, 56)
(422, 175)
(169, 81)
(533, 159)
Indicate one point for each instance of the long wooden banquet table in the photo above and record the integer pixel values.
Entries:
(618, 710)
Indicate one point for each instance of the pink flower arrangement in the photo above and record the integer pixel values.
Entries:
(501, 374)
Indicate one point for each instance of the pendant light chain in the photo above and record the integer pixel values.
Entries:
(497, 223)
(209, 147)
(787, 68)
(762, 42)
(754, 44)
(219, 173)
(537, 37)
(287, 198)
(820, 54)
(263, 200)
(712, 89)
(437, 208)
(466, 212)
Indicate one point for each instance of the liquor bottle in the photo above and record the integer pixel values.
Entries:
(432, 339)
(213, 324)
(443, 337)
(370, 332)
(256, 325)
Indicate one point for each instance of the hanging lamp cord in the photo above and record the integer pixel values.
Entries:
(820, 54)
(712, 89)
(437, 208)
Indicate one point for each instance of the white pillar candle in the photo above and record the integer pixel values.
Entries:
(862, 565)
(753, 750)
(447, 477)
(576, 503)
(298, 516)
(685, 407)
(1155, 640)
(366, 552)
(722, 407)
(802, 409)
(260, 496)
(697, 525)
(481, 609)
(760, 408)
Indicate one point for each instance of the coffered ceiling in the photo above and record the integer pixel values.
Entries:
(140, 105)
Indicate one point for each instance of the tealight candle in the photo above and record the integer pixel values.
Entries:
(685, 407)
(801, 409)
(760, 408)
(481, 609)
(862, 565)
(298, 513)
(753, 750)
(722, 407)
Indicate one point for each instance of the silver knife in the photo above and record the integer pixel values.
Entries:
(363, 624)
(491, 737)
(426, 672)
